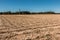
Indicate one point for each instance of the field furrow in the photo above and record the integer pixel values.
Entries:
(30, 27)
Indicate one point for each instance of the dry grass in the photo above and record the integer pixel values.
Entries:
(30, 27)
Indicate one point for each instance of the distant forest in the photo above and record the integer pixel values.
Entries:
(27, 12)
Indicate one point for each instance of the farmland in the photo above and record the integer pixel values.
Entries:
(30, 27)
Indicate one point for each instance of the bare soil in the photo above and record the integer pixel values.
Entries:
(30, 27)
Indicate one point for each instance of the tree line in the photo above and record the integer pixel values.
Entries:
(26, 12)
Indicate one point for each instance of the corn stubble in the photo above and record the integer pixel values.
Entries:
(30, 27)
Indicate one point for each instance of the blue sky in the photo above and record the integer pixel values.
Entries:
(30, 5)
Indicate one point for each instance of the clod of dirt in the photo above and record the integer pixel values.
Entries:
(37, 37)
(28, 39)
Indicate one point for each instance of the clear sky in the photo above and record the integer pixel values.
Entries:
(30, 5)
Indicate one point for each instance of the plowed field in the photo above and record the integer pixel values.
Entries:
(30, 27)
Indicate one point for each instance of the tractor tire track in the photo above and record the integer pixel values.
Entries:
(18, 30)
(4, 21)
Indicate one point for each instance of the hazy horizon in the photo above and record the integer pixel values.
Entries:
(30, 5)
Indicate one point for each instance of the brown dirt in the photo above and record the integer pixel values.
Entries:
(30, 27)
